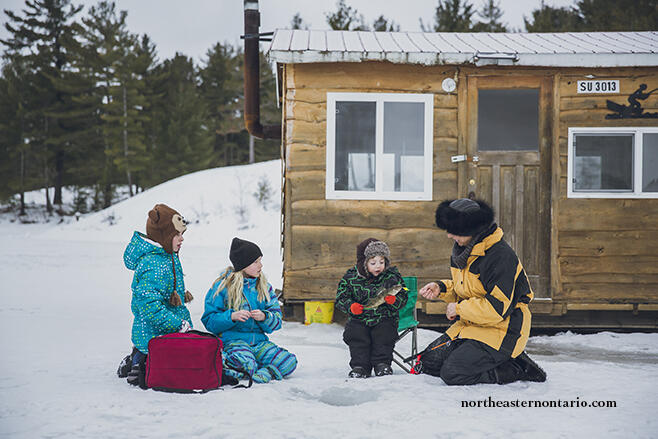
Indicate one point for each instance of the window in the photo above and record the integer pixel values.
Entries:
(379, 146)
(508, 120)
(613, 163)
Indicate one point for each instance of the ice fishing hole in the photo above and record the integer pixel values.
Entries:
(345, 396)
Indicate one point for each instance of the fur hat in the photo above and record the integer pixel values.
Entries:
(163, 224)
(368, 249)
(243, 253)
(464, 217)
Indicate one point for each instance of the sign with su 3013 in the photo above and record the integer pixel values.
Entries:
(599, 86)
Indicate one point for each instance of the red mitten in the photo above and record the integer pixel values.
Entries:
(389, 299)
(356, 308)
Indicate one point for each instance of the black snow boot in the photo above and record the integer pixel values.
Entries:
(137, 374)
(125, 365)
(508, 372)
(531, 370)
(383, 369)
(359, 372)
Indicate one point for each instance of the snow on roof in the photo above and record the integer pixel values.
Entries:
(568, 49)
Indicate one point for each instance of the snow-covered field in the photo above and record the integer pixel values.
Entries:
(65, 324)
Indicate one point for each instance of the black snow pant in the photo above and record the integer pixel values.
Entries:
(473, 362)
(370, 345)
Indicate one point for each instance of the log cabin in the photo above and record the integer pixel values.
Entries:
(558, 132)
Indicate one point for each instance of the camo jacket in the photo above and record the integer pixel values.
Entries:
(355, 288)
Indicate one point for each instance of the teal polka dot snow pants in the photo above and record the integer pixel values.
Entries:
(264, 361)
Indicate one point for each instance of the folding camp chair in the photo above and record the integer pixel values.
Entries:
(408, 325)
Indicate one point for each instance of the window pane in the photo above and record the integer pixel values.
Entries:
(650, 162)
(355, 146)
(508, 120)
(403, 161)
(603, 162)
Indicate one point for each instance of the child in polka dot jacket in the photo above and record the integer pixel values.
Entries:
(241, 308)
(158, 288)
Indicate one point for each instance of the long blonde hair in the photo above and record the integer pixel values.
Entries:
(233, 281)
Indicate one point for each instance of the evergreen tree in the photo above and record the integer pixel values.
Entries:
(491, 14)
(41, 36)
(185, 143)
(104, 50)
(143, 62)
(117, 65)
(549, 19)
(381, 24)
(221, 90)
(618, 15)
(297, 22)
(155, 79)
(14, 168)
(77, 112)
(345, 18)
(451, 16)
(124, 116)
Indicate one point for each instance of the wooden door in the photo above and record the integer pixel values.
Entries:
(509, 131)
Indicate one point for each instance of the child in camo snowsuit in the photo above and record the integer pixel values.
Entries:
(241, 308)
(370, 333)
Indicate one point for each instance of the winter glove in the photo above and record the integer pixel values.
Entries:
(390, 299)
(356, 308)
(185, 326)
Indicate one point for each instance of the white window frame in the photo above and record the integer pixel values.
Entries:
(638, 138)
(379, 193)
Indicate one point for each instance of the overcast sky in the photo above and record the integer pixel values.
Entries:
(193, 26)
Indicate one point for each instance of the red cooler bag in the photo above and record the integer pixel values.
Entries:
(184, 362)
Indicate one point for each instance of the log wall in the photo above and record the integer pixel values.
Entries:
(321, 235)
(607, 248)
(603, 251)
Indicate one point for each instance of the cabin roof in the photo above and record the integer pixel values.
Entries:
(567, 49)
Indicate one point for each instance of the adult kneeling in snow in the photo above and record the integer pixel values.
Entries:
(489, 292)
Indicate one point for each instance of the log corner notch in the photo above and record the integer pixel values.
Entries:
(252, 75)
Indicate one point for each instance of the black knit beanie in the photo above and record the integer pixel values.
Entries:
(243, 253)
(464, 217)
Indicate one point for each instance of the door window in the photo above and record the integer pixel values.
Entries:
(508, 120)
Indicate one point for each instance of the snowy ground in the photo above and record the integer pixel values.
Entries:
(65, 323)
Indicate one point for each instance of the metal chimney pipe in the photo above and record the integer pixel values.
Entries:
(252, 75)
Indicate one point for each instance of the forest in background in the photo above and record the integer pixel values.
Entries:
(86, 103)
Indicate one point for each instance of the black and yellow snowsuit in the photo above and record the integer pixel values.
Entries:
(492, 294)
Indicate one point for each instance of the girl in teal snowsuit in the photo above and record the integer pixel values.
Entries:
(241, 308)
(158, 288)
